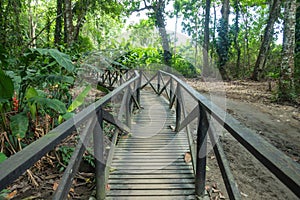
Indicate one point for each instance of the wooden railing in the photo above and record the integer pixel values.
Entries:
(89, 120)
(283, 167)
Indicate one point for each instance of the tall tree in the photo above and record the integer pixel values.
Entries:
(159, 10)
(205, 71)
(157, 13)
(236, 34)
(265, 45)
(223, 43)
(58, 24)
(68, 22)
(286, 82)
(297, 49)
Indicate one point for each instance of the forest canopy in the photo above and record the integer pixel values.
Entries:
(44, 42)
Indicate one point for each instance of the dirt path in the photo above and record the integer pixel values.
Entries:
(250, 103)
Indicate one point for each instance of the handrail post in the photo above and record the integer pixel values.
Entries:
(203, 126)
(99, 157)
(178, 107)
(171, 90)
(138, 90)
(127, 107)
(158, 81)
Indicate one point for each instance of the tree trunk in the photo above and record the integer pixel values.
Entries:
(32, 25)
(161, 25)
(205, 72)
(83, 8)
(213, 35)
(236, 34)
(68, 25)
(297, 35)
(2, 25)
(58, 25)
(297, 50)
(246, 46)
(265, 45)
(17, 26)
(286, 83)
(223, 40)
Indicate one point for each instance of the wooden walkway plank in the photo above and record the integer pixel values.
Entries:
(150, 163)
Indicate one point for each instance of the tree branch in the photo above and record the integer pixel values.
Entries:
(145, 8)
(41, 31)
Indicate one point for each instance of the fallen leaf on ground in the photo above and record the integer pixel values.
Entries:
(172, 127)
(112, 169)
(187, 157)
(207, 188)
(215, 186)
(207, 168)
(221, 195)
(12, 194)
(244, 195)
(107, 187)
(215, 190)
(55, 186)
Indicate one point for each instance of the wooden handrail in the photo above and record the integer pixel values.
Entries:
(18, 163)
(283, 167)
(276, 161)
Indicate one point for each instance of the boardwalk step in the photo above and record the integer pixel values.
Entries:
(150, 164)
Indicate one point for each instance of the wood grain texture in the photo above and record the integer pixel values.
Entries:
(150, 163)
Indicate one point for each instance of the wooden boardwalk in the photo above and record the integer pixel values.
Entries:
(150, 163)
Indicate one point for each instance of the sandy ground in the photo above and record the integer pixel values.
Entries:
(251, 104)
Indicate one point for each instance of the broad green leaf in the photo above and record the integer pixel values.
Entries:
(53, 104)
(6, 86)
(68, 115)
(78, 101)
(15, 78)
(19, 125)
(62, 59)
(31, 92)
(41, 51)
(103, 89)
(2, 157)
(53, 78)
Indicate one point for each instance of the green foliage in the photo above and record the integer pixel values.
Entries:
(186, 68)
(65, 153)
(41, 80)
(4, 193)
(78, 101)
(46, 103)
(62, 59)
(19, 125)
(102, 89)
(90, 159)
(6, 87)
(2, 157)
(140, 57)
(223, 42)
(152, 59)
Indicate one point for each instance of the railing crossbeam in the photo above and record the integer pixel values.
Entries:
(231, 186)
(74, 162)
